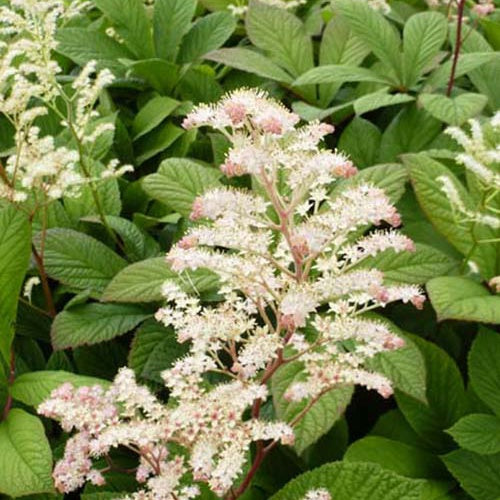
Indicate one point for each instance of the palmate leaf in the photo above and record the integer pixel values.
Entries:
(338, 73)
(353, 481)
(152, 114)
(380, 99)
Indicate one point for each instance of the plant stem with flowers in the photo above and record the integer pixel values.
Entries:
(290, 258)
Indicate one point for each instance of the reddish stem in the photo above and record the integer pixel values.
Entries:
(45, 283)
(12, 377)
(458, 46)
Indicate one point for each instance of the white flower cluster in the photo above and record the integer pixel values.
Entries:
(29, 90)
(481, 8)
(240, 7)
(481, 159)
(318, 494)
(289, 256)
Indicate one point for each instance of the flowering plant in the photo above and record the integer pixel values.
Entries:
(293, 288)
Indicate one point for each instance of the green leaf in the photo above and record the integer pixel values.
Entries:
(154, 349)
(479, 433)
(391, 178)
(250, 61)
(479, 475)
(376, 100)
(376, 32)
(131, 22)
(171, 21)
(338, 73)
(411, 130)
(339, 46)
(78, 260)
(178, 182)
(424, 173)
(35, 387)
(161, 75)
(281, 35)
(15, 250)
(405, 367)
(453, 110)
(353, 481)
(152, 114)
(484, 369)
(319, 419)
(455, 297)
(399, 457)
(424, 34)
(446, 401)
(142, 281)
(82, 45)
(363, 154)
(138, 244)
(88, 324)
(411, 267)
(207, 34)
(156, 141)
(466, 64)
(25, 456)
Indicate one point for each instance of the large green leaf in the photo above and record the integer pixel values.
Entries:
(484, 369)
(171, 21)
(445, 394)
(82, 45)
(131, 22)
(410, 131)
(250, 61)
(353, 481)
(339, 73)
(15, 249)
(411, 267)
(339, 46)
(142, 281)
(178, 182)
(380, 99)
(281, 35)
(363, 154)
(207, 34)
(424, 173)
(479, 475)
(455, 297)
(79, 260)
(453, 110)
(34, 387)
(153, 350)
(466, 64)
(152, 114)
(376, 32)
(25, 456)
(399, 457)
(319, 419)
(87, 324)
(423, 36)
(479, 433)
(156, 142)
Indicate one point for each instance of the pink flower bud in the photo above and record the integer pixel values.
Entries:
(197, 209)
(392, 342)
(272, 125)
(188, 242)
(231, 169)
(418, 301)
(236, 112)
(385, 391)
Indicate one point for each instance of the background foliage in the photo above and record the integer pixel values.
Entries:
(383, 81)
